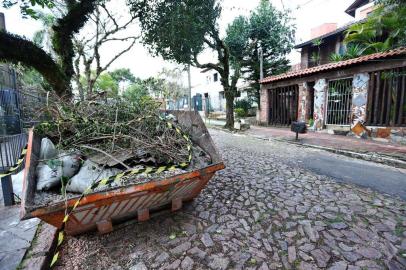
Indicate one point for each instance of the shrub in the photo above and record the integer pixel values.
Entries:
(240, 112)
(243, 106)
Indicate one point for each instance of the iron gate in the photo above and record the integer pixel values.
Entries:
(339, 101)
(387, 98)
(283, 105)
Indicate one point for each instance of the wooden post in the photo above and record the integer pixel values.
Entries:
(7, 187)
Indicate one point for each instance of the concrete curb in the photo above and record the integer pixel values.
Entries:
(369, 156)
(38, 256)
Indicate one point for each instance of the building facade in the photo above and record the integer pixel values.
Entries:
(209, 96)
(365, 96)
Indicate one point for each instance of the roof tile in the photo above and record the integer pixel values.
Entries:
(332, 66)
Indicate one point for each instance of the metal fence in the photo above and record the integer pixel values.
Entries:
(11, 148)
(339, 102)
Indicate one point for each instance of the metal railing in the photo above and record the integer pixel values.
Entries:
(10, 148)
(339, 102)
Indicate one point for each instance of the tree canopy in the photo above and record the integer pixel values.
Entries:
(383, 30)
(270, 31)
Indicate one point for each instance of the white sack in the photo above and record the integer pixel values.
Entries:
(88, 173)
(48, 177)
(48, 150)
(70, 164)
(18, 182)
(50, 172)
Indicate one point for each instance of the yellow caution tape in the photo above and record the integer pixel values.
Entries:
(19, 163)
(115, 178)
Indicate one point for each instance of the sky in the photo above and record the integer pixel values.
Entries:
(306, 13)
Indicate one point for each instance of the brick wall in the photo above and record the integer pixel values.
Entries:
(264, 111)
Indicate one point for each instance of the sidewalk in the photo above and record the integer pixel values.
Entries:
(332, 141)
(15, 236)
(387, 153)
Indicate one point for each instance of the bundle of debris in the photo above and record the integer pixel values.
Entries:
(89, 141)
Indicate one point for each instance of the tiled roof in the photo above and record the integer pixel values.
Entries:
(337, 65)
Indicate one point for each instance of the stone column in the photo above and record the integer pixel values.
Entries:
(359, 98)
(320, 90)
(264, 111)
(303, 102)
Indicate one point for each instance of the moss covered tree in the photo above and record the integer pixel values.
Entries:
(57, 72)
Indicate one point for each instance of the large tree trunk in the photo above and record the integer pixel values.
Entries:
(16, 50)
(229, 109)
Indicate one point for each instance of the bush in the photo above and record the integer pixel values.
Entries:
(242, 107)
(240, 112)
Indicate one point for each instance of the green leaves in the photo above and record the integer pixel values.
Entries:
(383, 30)
(266, 29)
(176, 29)
(27, 7)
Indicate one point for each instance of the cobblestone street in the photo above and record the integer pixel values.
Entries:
(264, 211)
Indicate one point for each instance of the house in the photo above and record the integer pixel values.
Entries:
(209, 95)
(365, 96)
(327, 38)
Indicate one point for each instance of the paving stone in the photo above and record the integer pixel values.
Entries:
(291, 254)
(174, 265)
(321, 257)
(181, 248)
(218, 262)
(339, 225)
(307, 247)
(369, 253)
(341, 265)
(198, 252)
(139, 266)
(368, 264)
(162, 257)
(206, 240)
(187, 263)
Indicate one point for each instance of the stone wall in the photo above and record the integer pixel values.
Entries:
(320, 89)
(359, 98)
(303, 102)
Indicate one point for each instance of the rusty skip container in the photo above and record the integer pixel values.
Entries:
(100, 210)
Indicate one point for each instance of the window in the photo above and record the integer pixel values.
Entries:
(215, 77)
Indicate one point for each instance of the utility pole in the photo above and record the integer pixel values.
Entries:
(261, 62)
(190, 87)
(2, 22)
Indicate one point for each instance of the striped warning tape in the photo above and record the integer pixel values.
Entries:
(18, 164)
(118, 178)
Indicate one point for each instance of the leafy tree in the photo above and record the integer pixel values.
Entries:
(135, 92)
(57, 72)
(106, 83)
(270, 31)
(123, 75)
(27, 6)
(179, 30)
(383, 30)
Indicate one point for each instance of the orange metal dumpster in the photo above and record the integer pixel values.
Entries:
(100, 210)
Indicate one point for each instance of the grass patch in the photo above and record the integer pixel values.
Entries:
(399, 229)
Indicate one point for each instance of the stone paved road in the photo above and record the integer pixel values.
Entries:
(261, 212)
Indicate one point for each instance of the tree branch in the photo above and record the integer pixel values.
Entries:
(16, 49)
(66, 27)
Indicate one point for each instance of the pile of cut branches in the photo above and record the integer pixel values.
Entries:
(115, 132)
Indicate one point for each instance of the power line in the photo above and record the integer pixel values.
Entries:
(304, 4)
